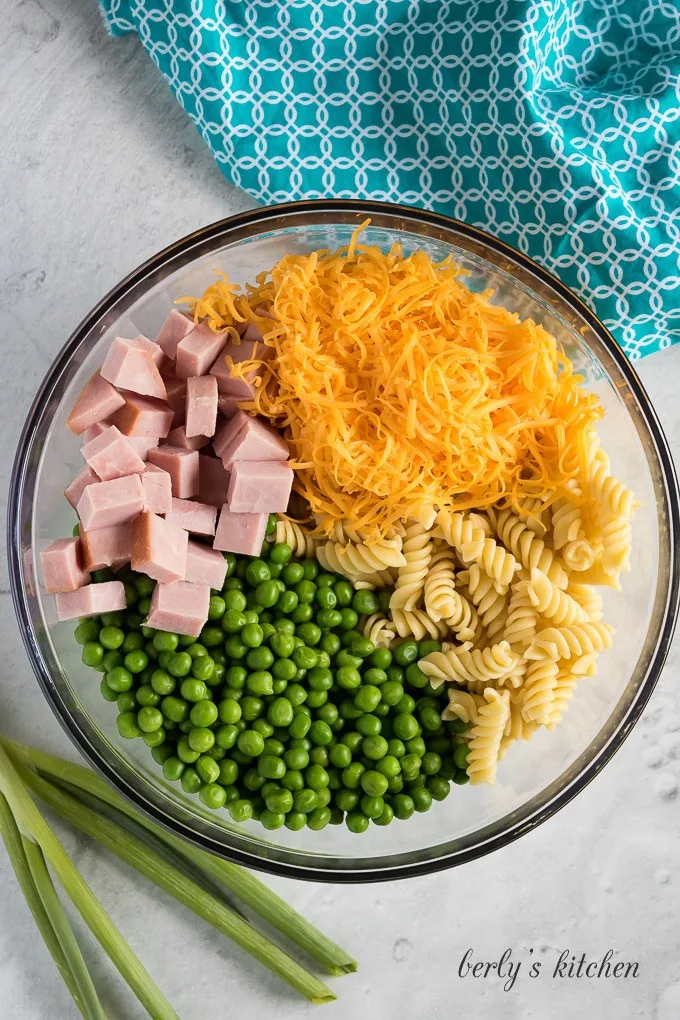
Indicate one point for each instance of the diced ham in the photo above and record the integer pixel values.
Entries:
(157, 486)
(181, 607)
(158, 356)
(62, 564)
(143, 416)
(97, 401)
(104, 504)
(213, 480)
(85, 477)
(95, 430)
(205, 565)
(177, 394)
(198, 350)
(201, 406)
(110, 455)
(174, 329)
(181, 465)
(91, 600)
(247, 438)
(259, 487)
(226, 405)
(240, 533)
(142, 444)
(128, 366)
(159, 548)
(107, 547)
(198, 518)
(178, 437)
(249, 349)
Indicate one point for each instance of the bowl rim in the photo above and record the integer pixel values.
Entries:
(298, 869)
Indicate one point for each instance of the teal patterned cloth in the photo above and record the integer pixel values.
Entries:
(554, 124)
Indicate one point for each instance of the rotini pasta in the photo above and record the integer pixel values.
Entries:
(487, 595)
(440, 586)
(539, 691)
(417, 552)
(416, 623)
(302, 542)
(528, 548)
(588, 598)
(461, 532)
(486, 735)
(552, 602)
(379, 629)
(462, 665)
(568, 642)
(520, 624)
(357, 559)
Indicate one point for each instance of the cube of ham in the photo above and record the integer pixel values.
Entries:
(178, 437)
(226, 405)
(104, 504)
(181, 465)
(205, 565)
(247, 438)
(85, 477)
(201, 405)
(158, 356)
(259, 487)
(249, 349)
(181, 607)
(177, 398)
(143, 416)
(157, 486)
(159, 548)
(97, 401)
(198, 350)
(174, 329)
(107, 547)
(198, 518)
(213, 480)
(110, 455)
(91, 600)
(128, 366)
(95, 430)
(142, 444)
(240, 533)
(62, 564)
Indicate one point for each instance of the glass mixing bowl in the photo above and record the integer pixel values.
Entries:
(535, 778)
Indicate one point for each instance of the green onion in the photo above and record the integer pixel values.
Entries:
(31, 821)
(15, 846)
(238, 880)
(135, 853)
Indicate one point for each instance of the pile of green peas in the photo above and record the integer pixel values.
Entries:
(281, 710)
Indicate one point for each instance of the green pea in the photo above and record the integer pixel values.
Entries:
(234, 601)
(381, 659)
(410, 766)
(252, 780)
(304, 658)
(386, 817)
(369, 725)
(320, 733)
(280, 802)
(92, 654)
(179, 664)
(293, 780)
(206, 769)
(328, 618)
(226, 736)
(318, 755)
(149, 719)
(367, 698)
(305, 591)
(281, 553)
(161, 753)
(364, 603)
(305, 801)
(302, 614)
(194, 690)
(353, 740)
(162, 682)
(310, 569)
(395, 784)
(382, 710)
(348, 677)
(315, 699)
(388, 765)
(416, 745)
(267, 593)
(340, 755)
(271, 744)
(241, 810)
(191, 781)
(431, 763)
(405, 653)
(251, 708)
(300, 725)
(116, 619)
(203, 668)
(430, 719)
(328, 713)
(252, 635)
(251, 742)
(213, 796)
(316, 777)
(127, 725)
(372, 807)
(346, 799)
(460, 756)
(119, 679)
(233, 621)
(173, 768)
(350, 618)
(427, 647)
(422, 798)
(318, 818)
(348, 710)
(200, 739)
(325, 598)
(235, 677)
(175, 709)
(374, 748)
(111, 638)
(235, 648)
(283, 669)
(351, 775)
(271, 767)
(111, 660)
(107, 692)
(87, 631)
(280, 712)
(406, 726)
(203, 713)
(229, 711)
(260, 682)
(282, 645)
(256, 572)
(295, 821)
(356, 821)
(438, 787)
(406, 705)
(396, 673)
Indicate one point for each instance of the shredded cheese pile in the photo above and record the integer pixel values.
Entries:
(400, 390)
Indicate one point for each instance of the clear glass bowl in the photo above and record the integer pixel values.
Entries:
(536, 778)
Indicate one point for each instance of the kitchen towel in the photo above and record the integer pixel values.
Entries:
(554, 124)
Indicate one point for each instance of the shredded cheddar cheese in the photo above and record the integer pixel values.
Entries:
(400, 390)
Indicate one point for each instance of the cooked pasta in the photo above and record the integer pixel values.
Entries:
(528, 548)
(567, 642)
(520, 624)
(463, 665)
(459, 531)
(589, 599)
(379, 629)
(539, 690)
(302, 542)
(462, 705)
(487, 595)
(552, 602)
(486, 736)
(357, 559)
(416, 623)
(439, 589)
(464, 621)
(417, 553)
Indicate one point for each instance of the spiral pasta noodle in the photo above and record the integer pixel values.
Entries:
(379, 629)
(528, 548)
(539, 691)
(417, 552)
(552, 602)
(568, 642)
(439, 589)
(487, 595)
(461, 533)
(462, 665)
(520, 624)
(416, 623)
(302, 542)
(486, 736)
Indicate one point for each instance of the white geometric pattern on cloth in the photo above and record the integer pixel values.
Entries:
(554, 124)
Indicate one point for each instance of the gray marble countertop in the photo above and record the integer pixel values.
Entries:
(100, 168)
